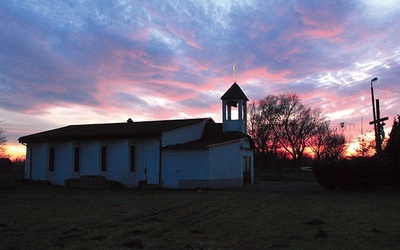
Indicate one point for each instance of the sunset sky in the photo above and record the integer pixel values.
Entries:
(76, 62)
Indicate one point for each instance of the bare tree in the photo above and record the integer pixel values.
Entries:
(264, 138)
(3, 142)
(366, 146)
(283, 122)
(320, 138)
(262, 133)
(296, 125)
(335, 147)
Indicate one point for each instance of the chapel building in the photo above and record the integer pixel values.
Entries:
(181, 153)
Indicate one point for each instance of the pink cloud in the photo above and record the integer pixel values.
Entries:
(323, 21)
(187, 35)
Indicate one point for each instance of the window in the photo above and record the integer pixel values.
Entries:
(76, 159)
(232, 110)
(104, 158)
(51, 159)
(132, 159)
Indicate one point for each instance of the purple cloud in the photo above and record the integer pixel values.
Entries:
(173, 59)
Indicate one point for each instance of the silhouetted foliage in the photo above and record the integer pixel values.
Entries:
(392, 148)
(10, 173)
(5, 164)
(348, 174)
(363, 172)
(391, 153)
(281, 126)
(9, 166)
(366, 146)
(263, 136)
(318, 142)
(3, 141)
(335, 146)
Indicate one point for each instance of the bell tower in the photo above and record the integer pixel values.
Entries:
(234, 110)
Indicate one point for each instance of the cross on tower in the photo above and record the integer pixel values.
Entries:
(234, 73)
(378, 123)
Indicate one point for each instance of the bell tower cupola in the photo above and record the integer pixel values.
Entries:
(234, 110)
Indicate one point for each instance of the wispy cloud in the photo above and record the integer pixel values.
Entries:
(66, 62)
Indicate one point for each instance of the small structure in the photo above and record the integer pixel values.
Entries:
(184, 153)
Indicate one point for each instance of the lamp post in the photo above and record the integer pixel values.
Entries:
(374, 114)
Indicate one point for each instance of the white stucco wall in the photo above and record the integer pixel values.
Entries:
(118, 161)
(219, 166)
(191, 164)
(63, 162)
(226, 161)
(89, 157)
(28, 163)
(39, 161)
(146, 161)
(195, 165)
(183, 134)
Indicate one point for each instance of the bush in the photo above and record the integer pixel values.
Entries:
(10, 174)
(391, 153)
(356, 174)
(364, 173)
(5, 165)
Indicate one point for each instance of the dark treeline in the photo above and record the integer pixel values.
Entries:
(289, 134)
(283, 128)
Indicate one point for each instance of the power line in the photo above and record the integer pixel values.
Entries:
(389, 90)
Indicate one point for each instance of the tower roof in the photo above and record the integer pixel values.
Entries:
(234, 92)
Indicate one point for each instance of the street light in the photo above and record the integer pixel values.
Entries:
(374, 114)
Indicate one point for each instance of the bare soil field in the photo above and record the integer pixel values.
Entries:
(268, 215)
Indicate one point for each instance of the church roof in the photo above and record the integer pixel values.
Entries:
(212, 135)
(110, 130)
(234, 92)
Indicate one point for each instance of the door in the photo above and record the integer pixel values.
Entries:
(171, 171)
(246, 169)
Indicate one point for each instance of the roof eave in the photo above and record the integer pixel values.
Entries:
(91, 137)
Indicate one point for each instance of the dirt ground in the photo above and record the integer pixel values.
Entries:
(285, 186)
(266, 215)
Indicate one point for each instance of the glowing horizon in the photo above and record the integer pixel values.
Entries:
(72, 62)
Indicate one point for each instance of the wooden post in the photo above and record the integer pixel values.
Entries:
(378, 129)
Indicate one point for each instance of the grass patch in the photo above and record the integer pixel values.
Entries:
(262, 174)
(43, 217)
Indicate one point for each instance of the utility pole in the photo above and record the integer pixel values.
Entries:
(374, 114)
(378, 125)
(378, 129)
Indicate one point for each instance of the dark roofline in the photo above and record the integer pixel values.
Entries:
(212, 136)
(143, 129)
(234, 92)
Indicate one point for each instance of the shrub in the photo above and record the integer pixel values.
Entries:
(391, 153)
(364, 173)
(5, 164)
(356, 174)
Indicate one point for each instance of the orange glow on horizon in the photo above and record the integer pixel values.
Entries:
(351, 149)
(16, 151)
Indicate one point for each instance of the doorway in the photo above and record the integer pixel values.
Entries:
(246, 170)
(171, 171)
